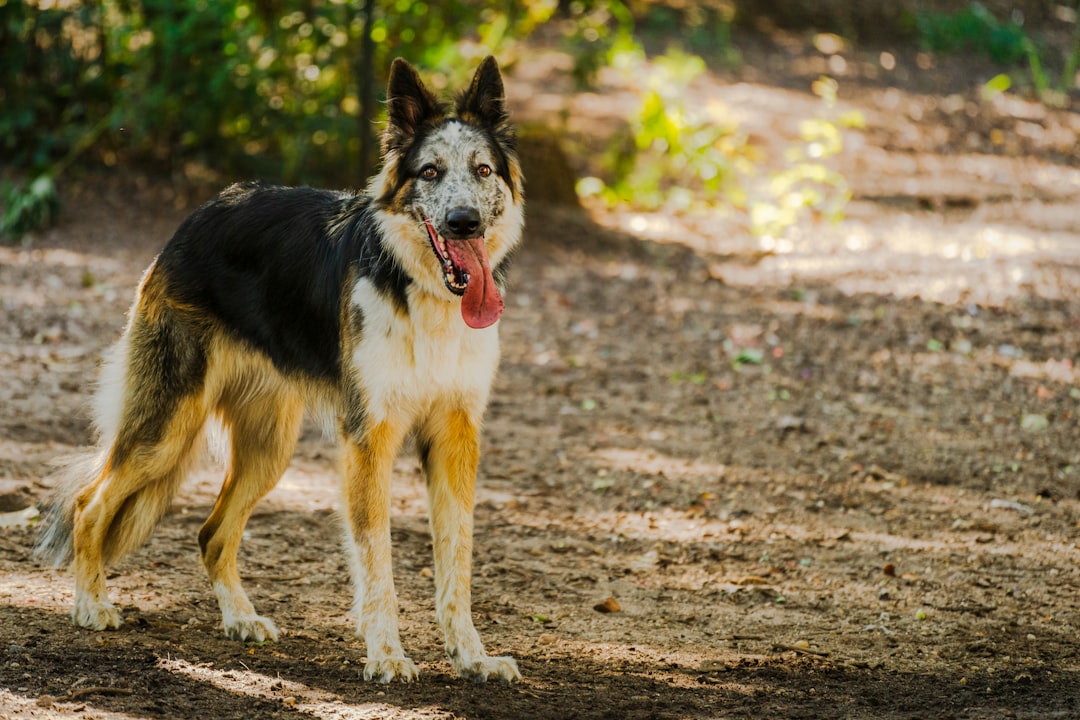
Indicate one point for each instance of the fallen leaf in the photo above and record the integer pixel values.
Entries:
(1033, 422)
(1012, 505)
(611, 605)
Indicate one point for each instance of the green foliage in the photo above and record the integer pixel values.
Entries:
(679, 155)
(28, 207)
(598, 33)
(594, 32)
(46, 83)
(249, 88)
(676, 153)
(976, 29)
(806, 184)
(245, 87)
(703, 27)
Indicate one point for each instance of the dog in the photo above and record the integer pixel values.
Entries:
(381, 307)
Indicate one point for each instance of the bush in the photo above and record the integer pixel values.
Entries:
(265, 89)
(975, 29)
(1007, 43)
(679, 155)
(274, 89)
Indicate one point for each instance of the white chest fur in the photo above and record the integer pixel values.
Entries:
(404, 363)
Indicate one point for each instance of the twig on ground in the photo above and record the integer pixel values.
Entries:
(803, 650)
(76, 693)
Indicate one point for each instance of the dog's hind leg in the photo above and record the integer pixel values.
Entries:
(450, 452)
(151, 412)
(369, 458)
(118, 510)
(263, 435)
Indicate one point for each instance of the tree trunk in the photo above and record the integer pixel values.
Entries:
(365, 75)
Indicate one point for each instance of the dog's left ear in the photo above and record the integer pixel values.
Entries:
(484, 103)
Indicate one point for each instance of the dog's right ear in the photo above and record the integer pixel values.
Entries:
(485, 100)
(409, 104)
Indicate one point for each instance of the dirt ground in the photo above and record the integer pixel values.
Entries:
(835, 475)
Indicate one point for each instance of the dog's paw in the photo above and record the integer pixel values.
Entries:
(251, 628)
(95, 614)
(504, 669)
(390, 669)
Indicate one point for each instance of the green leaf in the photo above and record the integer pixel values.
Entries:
(749, 356)
(995, 86)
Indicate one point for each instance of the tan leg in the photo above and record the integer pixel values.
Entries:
(95, 508)
(450, 453)
(369, 461)
(118, 510)
(263, 435)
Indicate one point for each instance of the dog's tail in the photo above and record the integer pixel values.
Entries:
(129, 527)
(55, 542)
(77, 472)
(144, 490)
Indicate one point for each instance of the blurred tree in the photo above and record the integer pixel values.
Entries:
(266, 88)
(290, 90)
(364, 71)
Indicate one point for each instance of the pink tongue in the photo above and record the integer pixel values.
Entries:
(482, 304)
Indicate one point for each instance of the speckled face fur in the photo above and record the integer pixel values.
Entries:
(456, 169)
(451, 189)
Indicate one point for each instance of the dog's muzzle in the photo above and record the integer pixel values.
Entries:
(466, 269)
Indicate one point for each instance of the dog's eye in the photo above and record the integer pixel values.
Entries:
(483, 170)
(429, 172)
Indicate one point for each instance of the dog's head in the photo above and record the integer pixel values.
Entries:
(450, 195)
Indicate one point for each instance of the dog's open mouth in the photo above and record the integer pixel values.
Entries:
(467, 273)
(456, 278)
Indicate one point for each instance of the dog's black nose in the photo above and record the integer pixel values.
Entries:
(463, 222)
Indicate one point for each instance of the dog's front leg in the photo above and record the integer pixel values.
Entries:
(369, 460)
(449, 450)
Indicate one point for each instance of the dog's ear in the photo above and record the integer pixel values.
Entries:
(409, 105)
(484, 103)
